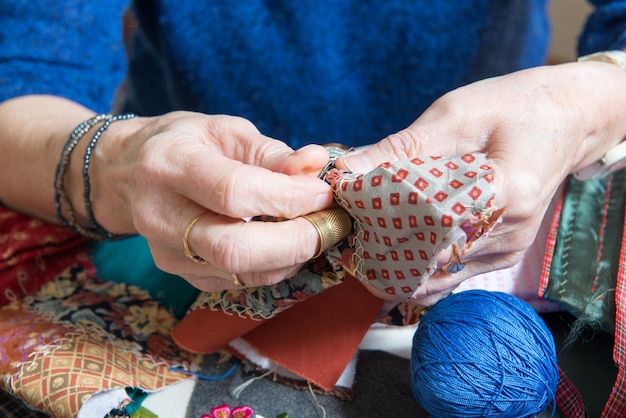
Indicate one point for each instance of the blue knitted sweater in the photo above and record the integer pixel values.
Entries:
(350, 71)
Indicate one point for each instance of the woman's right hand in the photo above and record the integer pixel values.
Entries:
(156, 179)
(154, 175)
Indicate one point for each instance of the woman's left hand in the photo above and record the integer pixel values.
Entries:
(537, 126)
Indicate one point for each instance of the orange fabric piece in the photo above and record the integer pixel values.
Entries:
(206, 330)
(317, 338)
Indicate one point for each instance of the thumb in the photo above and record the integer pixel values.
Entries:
(422, 139)
(398, 146)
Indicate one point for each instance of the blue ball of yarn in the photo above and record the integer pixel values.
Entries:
(483, 354)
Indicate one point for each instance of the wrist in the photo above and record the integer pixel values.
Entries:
(85, 199)
(111, 176)
(615, 157)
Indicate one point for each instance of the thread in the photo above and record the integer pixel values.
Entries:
(204, 376)
(483, 354)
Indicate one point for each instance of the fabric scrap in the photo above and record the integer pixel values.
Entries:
(265, 302)
(317, 339)
(78, 336)
(582, 264)
(34, 252)
(381, 386)
(407, 212)
(100, 403)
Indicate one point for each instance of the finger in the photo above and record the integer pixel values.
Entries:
(441, 283)
(207, 277)
(308, 160)
(393, 148)
(235, 246)
(210, 279)
(269, 278)
(448, 127)
(240, 140)
(241, 190)
(219, 281)
(411, 142)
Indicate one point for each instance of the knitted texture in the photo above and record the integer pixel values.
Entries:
(68, 48)
(605, 28)
(346, 71)
(334, 71)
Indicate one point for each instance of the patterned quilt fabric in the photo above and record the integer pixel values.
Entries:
(33, 252)
(407, 212)
(78, 336)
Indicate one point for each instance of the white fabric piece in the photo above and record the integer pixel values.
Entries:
(101, 403)
(171, 401)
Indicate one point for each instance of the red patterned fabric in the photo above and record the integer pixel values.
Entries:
(550, 246)
(568, 399)
(33, 252)
(407, 212)
(616, 405)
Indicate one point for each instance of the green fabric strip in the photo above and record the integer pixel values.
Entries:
(586, 256)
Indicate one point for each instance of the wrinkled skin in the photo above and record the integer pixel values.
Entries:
(537, 126)
(183, 164)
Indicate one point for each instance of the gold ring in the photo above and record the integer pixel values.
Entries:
(236, 280)
(193, 257)
(332, 225)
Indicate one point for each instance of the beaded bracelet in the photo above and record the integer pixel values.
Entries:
(95, 229)
(60, 196)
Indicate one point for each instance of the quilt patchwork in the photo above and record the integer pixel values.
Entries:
(78, 336)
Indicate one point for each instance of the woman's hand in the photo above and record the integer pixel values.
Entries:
(537, 126)
(153, 176)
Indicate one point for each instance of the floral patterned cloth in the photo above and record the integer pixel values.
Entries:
(78, 336)
(33, 252)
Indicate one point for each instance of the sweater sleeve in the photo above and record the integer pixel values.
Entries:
(67, 48)
(605, 28)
